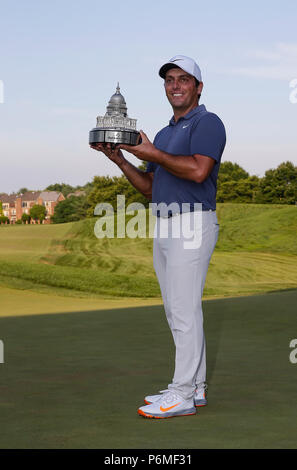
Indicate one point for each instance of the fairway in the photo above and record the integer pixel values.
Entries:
(16, 302)
(76, 380)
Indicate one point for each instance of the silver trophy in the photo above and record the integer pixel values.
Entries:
(115, 127)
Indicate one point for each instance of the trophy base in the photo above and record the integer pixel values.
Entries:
(113, 136)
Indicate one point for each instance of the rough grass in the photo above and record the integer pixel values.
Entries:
(82, 279)
(257, 227)
(256, 253)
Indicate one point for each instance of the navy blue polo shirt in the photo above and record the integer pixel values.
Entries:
(198, 132)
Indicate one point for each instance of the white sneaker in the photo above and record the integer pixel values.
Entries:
(200, 398)
(170, 404)
(153, 398)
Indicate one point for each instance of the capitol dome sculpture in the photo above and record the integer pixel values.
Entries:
(115, 126)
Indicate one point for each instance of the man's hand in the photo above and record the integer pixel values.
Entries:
(144, 151)
(114, 155)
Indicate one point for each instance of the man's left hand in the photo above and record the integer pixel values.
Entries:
(144, 151)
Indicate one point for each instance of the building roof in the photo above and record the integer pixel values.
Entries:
(51, 196)
(29, 196)
(8, 198)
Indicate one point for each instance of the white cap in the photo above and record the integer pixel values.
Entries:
(185, 63)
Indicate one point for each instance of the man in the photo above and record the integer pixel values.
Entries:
(182, 169)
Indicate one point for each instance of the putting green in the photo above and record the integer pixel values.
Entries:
(76, 380)
(15, 302)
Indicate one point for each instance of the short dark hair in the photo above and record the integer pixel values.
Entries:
(174, 66)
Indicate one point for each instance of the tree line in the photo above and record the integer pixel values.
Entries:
(236, 185)
(277, 186)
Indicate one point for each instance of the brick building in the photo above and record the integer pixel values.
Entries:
(15, 205)
(8, 206)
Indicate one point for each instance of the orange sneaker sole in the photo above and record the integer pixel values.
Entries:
(146, 415)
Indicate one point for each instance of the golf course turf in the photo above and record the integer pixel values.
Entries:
(85, 337)
(75, 380)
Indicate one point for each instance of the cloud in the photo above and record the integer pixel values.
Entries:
(277, 63)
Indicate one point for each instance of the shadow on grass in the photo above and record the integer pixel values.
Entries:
(76, 380)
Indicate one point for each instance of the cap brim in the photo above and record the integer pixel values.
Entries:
(164, 69)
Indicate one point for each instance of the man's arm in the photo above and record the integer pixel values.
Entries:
(141, 180)
(193, 167)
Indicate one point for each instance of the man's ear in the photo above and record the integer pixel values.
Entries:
(199, 90)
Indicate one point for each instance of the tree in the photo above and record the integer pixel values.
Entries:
(63, 188)
(38, 212)
(279, 186)
(242, 190)
(25, 218)
(231, 172)
(22, 191)
(66, 189)
(106, 189)
(4, 220)
(71, 209)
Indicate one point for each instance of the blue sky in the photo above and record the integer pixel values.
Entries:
(61, 60)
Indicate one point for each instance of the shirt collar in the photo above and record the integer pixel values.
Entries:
(197, 110)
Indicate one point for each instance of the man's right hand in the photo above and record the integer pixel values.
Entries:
(114, 155)
(141, 180)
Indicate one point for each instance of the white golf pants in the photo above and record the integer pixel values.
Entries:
(181, 265)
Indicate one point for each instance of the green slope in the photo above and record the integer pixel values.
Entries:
(256, 252)
(258, 227)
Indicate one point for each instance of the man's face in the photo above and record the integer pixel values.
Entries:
(181, 90)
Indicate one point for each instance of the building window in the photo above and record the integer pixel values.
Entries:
(24, 204)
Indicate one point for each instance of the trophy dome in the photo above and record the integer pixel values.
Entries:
(117, 104)
(116, 117)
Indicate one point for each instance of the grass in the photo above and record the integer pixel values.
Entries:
(76, 380)
(256, 253)
(94, 282)
(268, 228)
(20, 302)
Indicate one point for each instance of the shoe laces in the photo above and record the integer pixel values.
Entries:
(169, 397)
